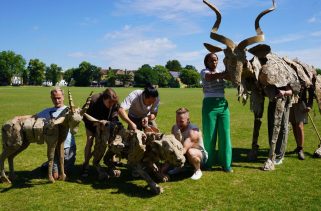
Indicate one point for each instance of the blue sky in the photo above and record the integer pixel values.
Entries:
(129, 33)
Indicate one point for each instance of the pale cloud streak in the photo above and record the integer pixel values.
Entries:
(130, 55)
(309, 56)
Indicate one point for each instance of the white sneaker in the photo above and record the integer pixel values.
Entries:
(197, 175)
(175, 171)
(278, 161)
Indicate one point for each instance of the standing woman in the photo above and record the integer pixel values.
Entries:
(215, 114)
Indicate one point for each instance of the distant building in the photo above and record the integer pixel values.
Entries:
(62, 83)
(47, 83)
(16, 81)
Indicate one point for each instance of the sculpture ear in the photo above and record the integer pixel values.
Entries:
(212, 48)
(260, 50)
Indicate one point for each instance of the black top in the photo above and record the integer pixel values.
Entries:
(98, 110)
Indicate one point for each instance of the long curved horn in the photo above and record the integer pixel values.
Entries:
(71, 103)
(220, 38)
(90, 118)
(260, 35)
(87, 104)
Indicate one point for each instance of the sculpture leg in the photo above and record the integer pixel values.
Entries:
(51, 154)
(257, 106)
(98, 153)
(3, 157)
(61, 156)
(153, 185)
(274, 130)
(13, 154)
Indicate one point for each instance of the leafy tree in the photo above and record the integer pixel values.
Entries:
(53, 73)
(190, 77)
(190, 67)
(164, 76)
(111, 78)
(83, 75)
(318, 71)
(145, 74)
(97, 74)
(36, 70)
(174, 83)
(173, 65)
(68, 75)
(124, 79)
(10, 64)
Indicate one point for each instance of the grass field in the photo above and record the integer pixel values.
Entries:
(294, 185)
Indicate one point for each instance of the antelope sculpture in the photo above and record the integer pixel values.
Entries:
(18, 133)
(261, 76)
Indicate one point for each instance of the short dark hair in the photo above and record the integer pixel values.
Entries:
(207, 57)
(109, 93)
(150, 91)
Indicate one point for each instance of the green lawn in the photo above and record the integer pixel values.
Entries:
(294, 185)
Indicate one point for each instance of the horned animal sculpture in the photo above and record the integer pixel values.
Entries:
(145, 151)
(17, 134)
(141, 150)
(105, 135)
(261, 76)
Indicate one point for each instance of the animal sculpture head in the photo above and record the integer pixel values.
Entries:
(235, 54)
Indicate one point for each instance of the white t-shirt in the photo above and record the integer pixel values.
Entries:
(135, 105)
(213, 88)
(53, 112)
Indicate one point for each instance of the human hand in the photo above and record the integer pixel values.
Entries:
(145, 122)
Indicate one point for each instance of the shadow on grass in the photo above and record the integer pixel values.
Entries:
(26, 179)
(125, 184)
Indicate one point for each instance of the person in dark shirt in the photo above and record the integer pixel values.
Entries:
(103, 106)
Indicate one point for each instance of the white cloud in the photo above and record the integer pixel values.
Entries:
(134, 54)
(310, 56)
(127, 32)
(316, 34)
(287, 38)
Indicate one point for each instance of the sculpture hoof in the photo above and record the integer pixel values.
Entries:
(5, 179)
(51, 179)
(268, 165)
(62, 177)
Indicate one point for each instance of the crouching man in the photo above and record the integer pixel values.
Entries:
(192, 140)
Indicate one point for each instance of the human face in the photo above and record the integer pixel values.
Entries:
(212, 62)
(182, 121)
(109, 103)
(57, 99)
(149, 101)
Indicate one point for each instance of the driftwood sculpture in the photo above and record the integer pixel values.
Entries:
(260, 76)
(17, 134)
(145, 151)
(142, 151)
(105, 135)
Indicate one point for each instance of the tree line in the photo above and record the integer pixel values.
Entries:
(36, 72)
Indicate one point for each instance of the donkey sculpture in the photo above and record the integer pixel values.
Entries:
(17, 134)
(261, 76)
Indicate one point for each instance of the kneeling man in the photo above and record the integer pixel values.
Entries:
(192, 140)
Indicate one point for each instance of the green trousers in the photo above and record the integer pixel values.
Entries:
(216, 123)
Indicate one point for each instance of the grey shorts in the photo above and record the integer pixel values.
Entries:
(298, 114)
